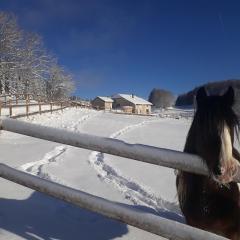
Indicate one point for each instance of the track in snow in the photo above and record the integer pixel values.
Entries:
(135, 192)
(76, 126)
(38, 168)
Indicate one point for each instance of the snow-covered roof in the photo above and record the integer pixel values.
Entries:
(132, 98)
(105, 99)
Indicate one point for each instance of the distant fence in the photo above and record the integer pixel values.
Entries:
(83, 104)
(15, 98)
(52, 106)
(177, 115)
(158, 156)
(30, 102)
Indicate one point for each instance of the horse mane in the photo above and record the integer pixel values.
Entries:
(207, 114)
(212, 202)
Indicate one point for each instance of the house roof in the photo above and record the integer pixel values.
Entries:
(133, 99)
(105, 99)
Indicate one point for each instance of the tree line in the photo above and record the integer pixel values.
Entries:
(26, 66)
(212, 88)
(162, 98)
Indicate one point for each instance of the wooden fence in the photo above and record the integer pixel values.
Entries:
(16, 97)
(28, 101)
(163, 157)
(52, 106)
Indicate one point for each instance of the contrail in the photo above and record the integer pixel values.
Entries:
(221, 21)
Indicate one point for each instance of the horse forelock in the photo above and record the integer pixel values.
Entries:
(211, 135)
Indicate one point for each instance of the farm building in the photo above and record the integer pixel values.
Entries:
(103, 103)
(131, 104)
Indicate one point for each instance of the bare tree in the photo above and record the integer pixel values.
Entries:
(35, 64)
(59, 84)
(10, 41)
(26, 66)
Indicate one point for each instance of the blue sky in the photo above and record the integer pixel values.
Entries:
(132, 46)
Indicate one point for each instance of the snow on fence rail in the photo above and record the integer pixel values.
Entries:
(164, 157)
(153, 155)
(137, 218)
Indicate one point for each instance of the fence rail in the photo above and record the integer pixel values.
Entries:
(53, 106)
(137, 218)
(148, 154)
(26, 102)
(15, 97)
(11, 101)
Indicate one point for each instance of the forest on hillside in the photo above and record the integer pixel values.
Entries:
(218, 87)
(26, 66)
(161, 98)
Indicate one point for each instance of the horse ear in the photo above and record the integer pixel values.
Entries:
(201, 94)
(229, 96)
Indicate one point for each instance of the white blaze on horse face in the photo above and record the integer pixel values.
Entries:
(228, 163)
(226, 146)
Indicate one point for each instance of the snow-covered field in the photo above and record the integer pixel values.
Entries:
(25, 214)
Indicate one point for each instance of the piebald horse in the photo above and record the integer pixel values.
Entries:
(212, 202)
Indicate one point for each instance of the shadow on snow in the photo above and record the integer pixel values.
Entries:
(44, 217)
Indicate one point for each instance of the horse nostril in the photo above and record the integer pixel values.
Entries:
(217, 170)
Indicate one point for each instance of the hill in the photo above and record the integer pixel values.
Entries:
(218, 87)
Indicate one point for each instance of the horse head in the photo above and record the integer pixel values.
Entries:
(212, 133)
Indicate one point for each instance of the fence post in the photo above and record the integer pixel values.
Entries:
(16, 96)
(40, 107)
(27, 106)
(51, 107)
(10, 107)
(0, 108)
(61, 103)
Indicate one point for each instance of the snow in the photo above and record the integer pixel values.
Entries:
(127, 214)
(105, 99)
(25, 214)
(132, 98)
